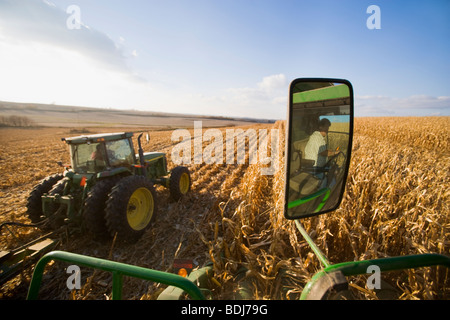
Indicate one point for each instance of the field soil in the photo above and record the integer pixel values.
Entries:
(397, 202)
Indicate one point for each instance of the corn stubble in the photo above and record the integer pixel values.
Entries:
(396, 203)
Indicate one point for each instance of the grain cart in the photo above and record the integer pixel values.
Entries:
(316, 172)
(108, 189)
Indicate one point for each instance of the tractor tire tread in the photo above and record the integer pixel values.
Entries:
(34, 202)
(116, 208)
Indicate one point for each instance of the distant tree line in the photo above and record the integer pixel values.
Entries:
(16, 121)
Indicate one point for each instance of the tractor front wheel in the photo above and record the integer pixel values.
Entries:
(131, 207)
(180, 182)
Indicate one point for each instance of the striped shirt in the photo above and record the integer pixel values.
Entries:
(316, 144)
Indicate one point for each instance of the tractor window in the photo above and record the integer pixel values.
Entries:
(88, 157)
(120, 153)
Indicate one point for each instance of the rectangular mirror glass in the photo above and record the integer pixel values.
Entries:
(319, 140)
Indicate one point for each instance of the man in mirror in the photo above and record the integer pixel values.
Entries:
(316, 149)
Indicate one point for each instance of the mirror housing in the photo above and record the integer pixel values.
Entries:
(318, 145)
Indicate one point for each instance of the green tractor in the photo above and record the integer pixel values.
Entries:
(108, 189)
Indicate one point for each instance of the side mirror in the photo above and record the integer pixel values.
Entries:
(318, 145)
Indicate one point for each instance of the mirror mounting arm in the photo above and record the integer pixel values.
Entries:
(322, 258)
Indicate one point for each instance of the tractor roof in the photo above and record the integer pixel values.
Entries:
(98, 137)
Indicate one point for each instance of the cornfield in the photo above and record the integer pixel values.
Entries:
(396, 203)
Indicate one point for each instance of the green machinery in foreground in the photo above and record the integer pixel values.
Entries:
(319, 141)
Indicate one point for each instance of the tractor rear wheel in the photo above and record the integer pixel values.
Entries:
(34, 201)
(131, 207)
(95, 206)
(180, 182)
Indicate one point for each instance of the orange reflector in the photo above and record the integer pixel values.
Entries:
(182, 272)
(83, 182)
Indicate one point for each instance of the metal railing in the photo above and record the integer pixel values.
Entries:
(117, 269)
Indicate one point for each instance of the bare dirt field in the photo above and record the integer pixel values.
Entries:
(397, 202)
(49, 115)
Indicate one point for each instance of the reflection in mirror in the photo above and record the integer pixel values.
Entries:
(320, 128)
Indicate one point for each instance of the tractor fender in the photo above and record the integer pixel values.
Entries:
(113, 172)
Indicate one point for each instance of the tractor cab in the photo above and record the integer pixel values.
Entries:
(100, 152)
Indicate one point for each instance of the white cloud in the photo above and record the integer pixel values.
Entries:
(43, 61)
(268, 91)
(52, 74)
(30, 22)
(416, 105)
(272, 83)
(266, 99)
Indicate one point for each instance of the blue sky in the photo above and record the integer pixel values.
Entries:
(228, 58)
